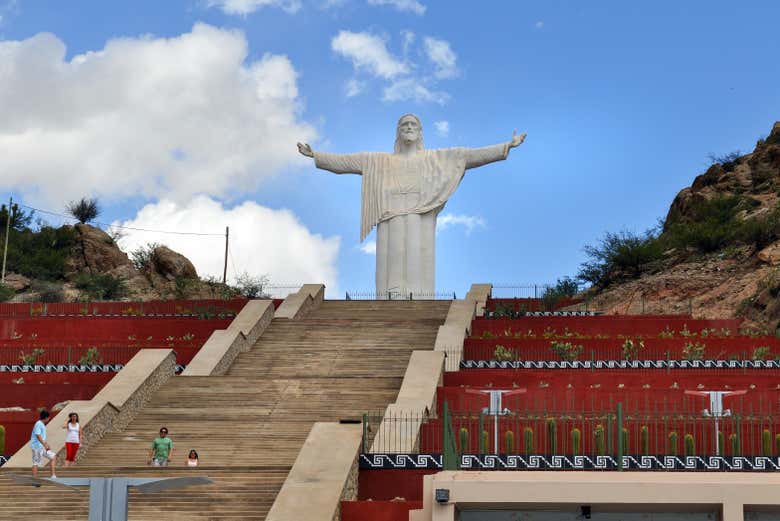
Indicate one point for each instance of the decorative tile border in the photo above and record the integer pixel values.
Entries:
(562, 462)
(65, 368)
(3, 459)
(620, 364)
(522, 314)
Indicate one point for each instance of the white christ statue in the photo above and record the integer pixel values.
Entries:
(403, 192)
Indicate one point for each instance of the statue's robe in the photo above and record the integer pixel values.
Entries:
(402, 195)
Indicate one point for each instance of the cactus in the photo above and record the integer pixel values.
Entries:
(484, 445)
(552, 435)
(673, 443)
(644, 440)
(2, 439)
(509, 442)
(528, 440)
(690, 445)
(721, 444)
(766, 443)
(576, 442)
(598, 434)
(734, 441)
(777, 444)
(624, 436)
(464, 440)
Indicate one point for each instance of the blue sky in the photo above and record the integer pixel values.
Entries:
(184, 115)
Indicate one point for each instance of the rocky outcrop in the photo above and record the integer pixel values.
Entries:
(95, 252)
(17, 282)
(171, 265)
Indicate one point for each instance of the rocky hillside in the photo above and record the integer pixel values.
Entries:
(719, 250)
(93, 267)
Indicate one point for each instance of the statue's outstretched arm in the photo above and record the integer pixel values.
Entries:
(336, 163)
(476, 157)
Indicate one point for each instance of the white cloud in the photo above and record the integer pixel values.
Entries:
(368, 247)
(412, 6)
(443, 57)
(539, 24)
(263, 241)
(411, 89)
(442, 128)
(245, 7)
(354, 87)
(368, 52)
(154, 117)
(470, 222)
(408, 38)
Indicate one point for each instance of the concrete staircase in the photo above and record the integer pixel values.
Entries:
(346, 358)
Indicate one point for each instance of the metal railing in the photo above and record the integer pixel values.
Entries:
(399, 295)
(575, 433)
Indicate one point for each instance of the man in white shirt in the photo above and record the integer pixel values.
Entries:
(41, 449)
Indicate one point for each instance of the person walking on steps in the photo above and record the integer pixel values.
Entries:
(72, 439)
(162, 449)
(41, 449)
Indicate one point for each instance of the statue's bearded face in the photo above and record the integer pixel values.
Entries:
(409, 130)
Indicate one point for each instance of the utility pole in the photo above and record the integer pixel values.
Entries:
(7, 230)
(224, 270)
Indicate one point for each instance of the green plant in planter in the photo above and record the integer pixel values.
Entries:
(766, 443)
(624, 435)
(631, 348)
(566, 350)
(690, 445)
(509, 442)
(91, 357)
(528, 440)
(464, 440)
(761, 353)
(673, 439)
(598, 435)
(777, 444)
(694, 351)
(644, 440)
(485, 445)
(552, 435)
(2, 439)
(503, 354)
(734, 442)
(576, 442)
(721, 444)
(32, 357)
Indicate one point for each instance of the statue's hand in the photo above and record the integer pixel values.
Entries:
(517, 140)
(305, 149)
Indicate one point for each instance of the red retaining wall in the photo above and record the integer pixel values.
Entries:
(380, 485)
(604, 325)
(130, 309)
(529, 304)
(378, 510)
(85, 329)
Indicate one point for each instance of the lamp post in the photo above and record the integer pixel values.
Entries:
(496, 408)
(716, 408)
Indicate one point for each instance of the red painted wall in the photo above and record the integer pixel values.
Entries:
(607, 325)
(389, 484)
(378, 510)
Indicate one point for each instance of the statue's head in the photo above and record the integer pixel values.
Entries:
(409, 132)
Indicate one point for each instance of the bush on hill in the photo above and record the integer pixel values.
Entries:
(102, 286)
(619, 256)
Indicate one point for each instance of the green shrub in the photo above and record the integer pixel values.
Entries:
(91, 357)
(766, 443)
(777, 444)
(566, 350)
(509, 442)
(6, 293)
(576, 442)
(484, 442)
(252, 286)
(690, 445)
(721, 443)
(618, 256)
(48, 291)
(631, 348)
(84, 210)
(464, 440)
(41, 254)
(713, 224)
(673, 439)
(624, 436)
(734, 442)
(528, 440)
(143, 256)
(2, 439)
(726, 161)
(503, 354)
(694, 351)
(761, 353)
(644, 440)
(598, 435)
(552, 435)
(102, 286)
(31, 358)
(563, 288)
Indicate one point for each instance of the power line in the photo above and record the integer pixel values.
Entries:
(122, 227)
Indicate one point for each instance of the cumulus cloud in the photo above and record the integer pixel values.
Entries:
(245, 7)
(412, 6)
(470, 222)
(368, 52)
(263, 241)
(153, 117)
(354, 87)
(407, 37)
(442, 128)
(442, 56)
(368, 247)
(412, 89)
